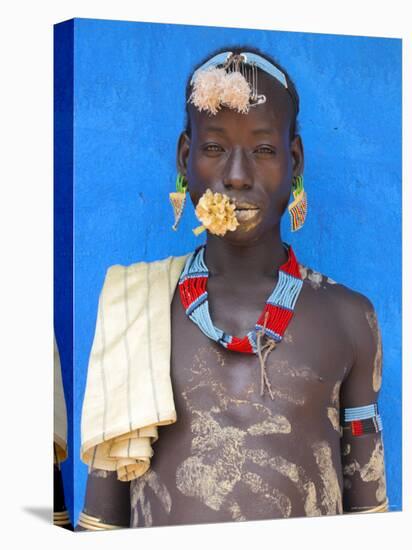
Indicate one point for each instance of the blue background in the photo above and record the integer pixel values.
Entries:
(129, 83)
(63, 228)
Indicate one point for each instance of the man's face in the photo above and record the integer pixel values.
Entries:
(248, 157)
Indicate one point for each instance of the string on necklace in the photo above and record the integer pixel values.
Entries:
(270, 345)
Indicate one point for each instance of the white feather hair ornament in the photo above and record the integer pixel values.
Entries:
(214, 87)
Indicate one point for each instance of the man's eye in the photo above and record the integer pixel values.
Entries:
(213, 148)
(265, 150)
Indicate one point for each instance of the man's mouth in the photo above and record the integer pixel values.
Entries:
(246, 211)
(246, 206)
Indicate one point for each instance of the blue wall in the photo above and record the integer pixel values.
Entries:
(63, 229)
(129, 81)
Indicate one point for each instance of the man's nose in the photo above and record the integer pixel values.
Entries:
(237, 174)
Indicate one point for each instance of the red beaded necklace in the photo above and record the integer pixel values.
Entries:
(272, 323)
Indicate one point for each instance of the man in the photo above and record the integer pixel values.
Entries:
(290, 426)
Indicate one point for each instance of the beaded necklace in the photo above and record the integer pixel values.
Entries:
(272, 323)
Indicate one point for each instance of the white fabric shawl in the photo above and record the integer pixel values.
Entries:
(128, 390)
(60, 412)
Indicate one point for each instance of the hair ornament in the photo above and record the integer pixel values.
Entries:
(231, 80)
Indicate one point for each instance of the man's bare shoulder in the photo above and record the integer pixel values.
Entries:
(348, 301)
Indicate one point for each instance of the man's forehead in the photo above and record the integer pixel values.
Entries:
(263, 119)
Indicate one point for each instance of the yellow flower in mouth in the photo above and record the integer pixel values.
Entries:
(216, 213)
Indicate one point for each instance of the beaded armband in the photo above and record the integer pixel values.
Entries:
(362, 420)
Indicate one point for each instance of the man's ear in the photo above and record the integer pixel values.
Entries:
(183, 148)
(296, 148)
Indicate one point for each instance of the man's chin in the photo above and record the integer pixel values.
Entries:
(244, 234)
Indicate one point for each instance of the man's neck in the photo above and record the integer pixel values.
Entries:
(245, 263)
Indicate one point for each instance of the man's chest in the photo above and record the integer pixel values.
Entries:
(236, 454)
(303, 369)
(219, 400)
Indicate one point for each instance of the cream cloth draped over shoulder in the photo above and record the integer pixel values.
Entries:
(129, 390)
(60, 412)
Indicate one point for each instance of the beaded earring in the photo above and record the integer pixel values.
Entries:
(178, 198)
(298, 208)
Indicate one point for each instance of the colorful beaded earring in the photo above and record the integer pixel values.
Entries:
(178, 198)
(298, 208)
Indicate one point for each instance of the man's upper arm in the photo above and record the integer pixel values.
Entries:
(362, 443)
